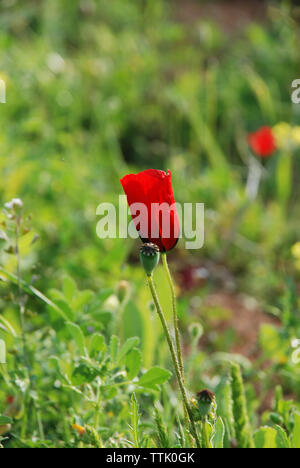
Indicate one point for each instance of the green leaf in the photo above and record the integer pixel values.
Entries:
(161, 433)
(265, 437)
(2, 327)
(97, 344)
(84, 374)
(284, 408)
(296, 431)
(63, 305)
(78, 336)
(127, 346)
(282, 440)
(99, 299)
(154, 377)
(59, 367)
(69, 288)
(133, 363)
(208, 428)
(8, 327)
(2, 352)
(133, 322)
(134, 420)
(272, 343)
(35, 292)
(103, 316)
(114, 347)
(104, 294)
(82, 298)
(218, 437)
(284, 176)
(5, 420)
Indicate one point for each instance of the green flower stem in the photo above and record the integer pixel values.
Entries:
(175, 321)
(175, 316)
(22, 324)
(40, 423)
(20, 300)
(174, 358)
(97, 407)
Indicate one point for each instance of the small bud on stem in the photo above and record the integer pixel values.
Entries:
(149, 256)
(205, 400)
(123, 290)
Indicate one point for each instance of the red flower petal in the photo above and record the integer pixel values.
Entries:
(262, 142)
(153, 187)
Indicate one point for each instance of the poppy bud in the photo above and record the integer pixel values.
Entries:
(149, 256)
(196, 331)
(123, 290)
(205, 403)
(276, 418)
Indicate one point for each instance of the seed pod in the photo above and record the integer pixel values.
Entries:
(149, 256)
(203, 406)
(205, 401)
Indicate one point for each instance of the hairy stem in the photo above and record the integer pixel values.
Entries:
(98, 407)
(22, 323)
(20, 300)
(174, 358)
(175, 316)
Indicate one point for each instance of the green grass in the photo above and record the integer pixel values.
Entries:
(96, 90)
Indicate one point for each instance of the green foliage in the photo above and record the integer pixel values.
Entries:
(133, 363)
(218, 438)
(265, 438)
(135, 420)
(240, 412)
(97, 89)
(295, 437)
(161, 432)
(5, 420)
(153, 377)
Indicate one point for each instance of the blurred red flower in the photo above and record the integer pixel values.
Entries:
(10, 399)
(161, 227)
(262, 142)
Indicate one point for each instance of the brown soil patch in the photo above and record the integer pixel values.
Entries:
(229, 14)
(246, 319)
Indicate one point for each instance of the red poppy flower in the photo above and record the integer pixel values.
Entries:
(262, 142)
(156, 220)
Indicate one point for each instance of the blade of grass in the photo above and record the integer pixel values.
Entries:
(134, 420)
(34, 292)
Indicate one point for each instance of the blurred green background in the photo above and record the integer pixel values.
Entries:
(98, 89)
